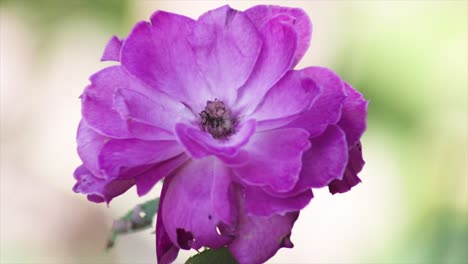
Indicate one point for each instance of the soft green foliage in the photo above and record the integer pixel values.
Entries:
(139, 218)
(212, 256)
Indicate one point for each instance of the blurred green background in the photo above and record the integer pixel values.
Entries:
(408, 57)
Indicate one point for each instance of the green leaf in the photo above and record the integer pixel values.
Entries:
(139, 218)
(213, 256)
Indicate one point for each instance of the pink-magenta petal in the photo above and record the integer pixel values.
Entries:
(166, 251)
(258, 238)
(326, 109)
(159, 54)
(324, 161)
(154, 109)
(291, 96)
(112, 50)
(90, 144)
(354, 114)
(146, 180)
(350, 177)
(99, 190)
(275, 158)
(106, 110)
(275, 59)
(226, 45)
(132, 156)
(260, 203)
(189, 213)
(200, 144)
(262, 14)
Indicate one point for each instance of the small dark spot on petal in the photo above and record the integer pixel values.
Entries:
(184, 238)
(209, 217)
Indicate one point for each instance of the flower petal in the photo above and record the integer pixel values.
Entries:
(353, 118)
(99, 190)
(350, 178)
(200, 144)
(112, 50)
(166, 251)
(146, 180)
(100, 102)
(90, 144)
(260, 203)
(189, 214)
(275, 59)
(258, 238)
(227, 46)
(324, 161)
(130, 157)
(262, 14)
(156, 110)
(292, 95)
(326, 109)
(281, 147)
(158, 53)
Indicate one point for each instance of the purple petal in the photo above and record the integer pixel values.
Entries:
(350, 178)
(260, 203)
(282, 148)
(201, 144)
(353, 117)
(99, 190)
(166, 251)
(157, 109)
(130, 157)
(326, 109)
(324, 161)
(292, 95)
(262, 14)
(275, 59)
(159, 54)
(100, 104)
(190, 206)
(258, 238)
(90, 144)
(227, 45)
(112, 50)
(146, 180)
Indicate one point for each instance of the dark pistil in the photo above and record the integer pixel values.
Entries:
(216, 119)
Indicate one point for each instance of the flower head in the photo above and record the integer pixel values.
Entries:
(215, 107)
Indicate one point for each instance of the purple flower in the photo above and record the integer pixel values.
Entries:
(215, 107)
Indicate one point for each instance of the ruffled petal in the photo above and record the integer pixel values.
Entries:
(146, 180)
(200, 144)
(353, 117)
(90, 144)
(326, 109)
(281, 147)
(157, 109)
(227, 46)
(275, 59)
(189, 209)
(350, 177)
(260, 203)
(262, 14)
(130, 157)
(324, 161)
(112, 50)
(166, 251)
(159, 54)
(258, 238)
(292, 95)
(99, 190)
(107, 111)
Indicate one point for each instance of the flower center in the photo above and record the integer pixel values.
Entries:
(216, 119)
